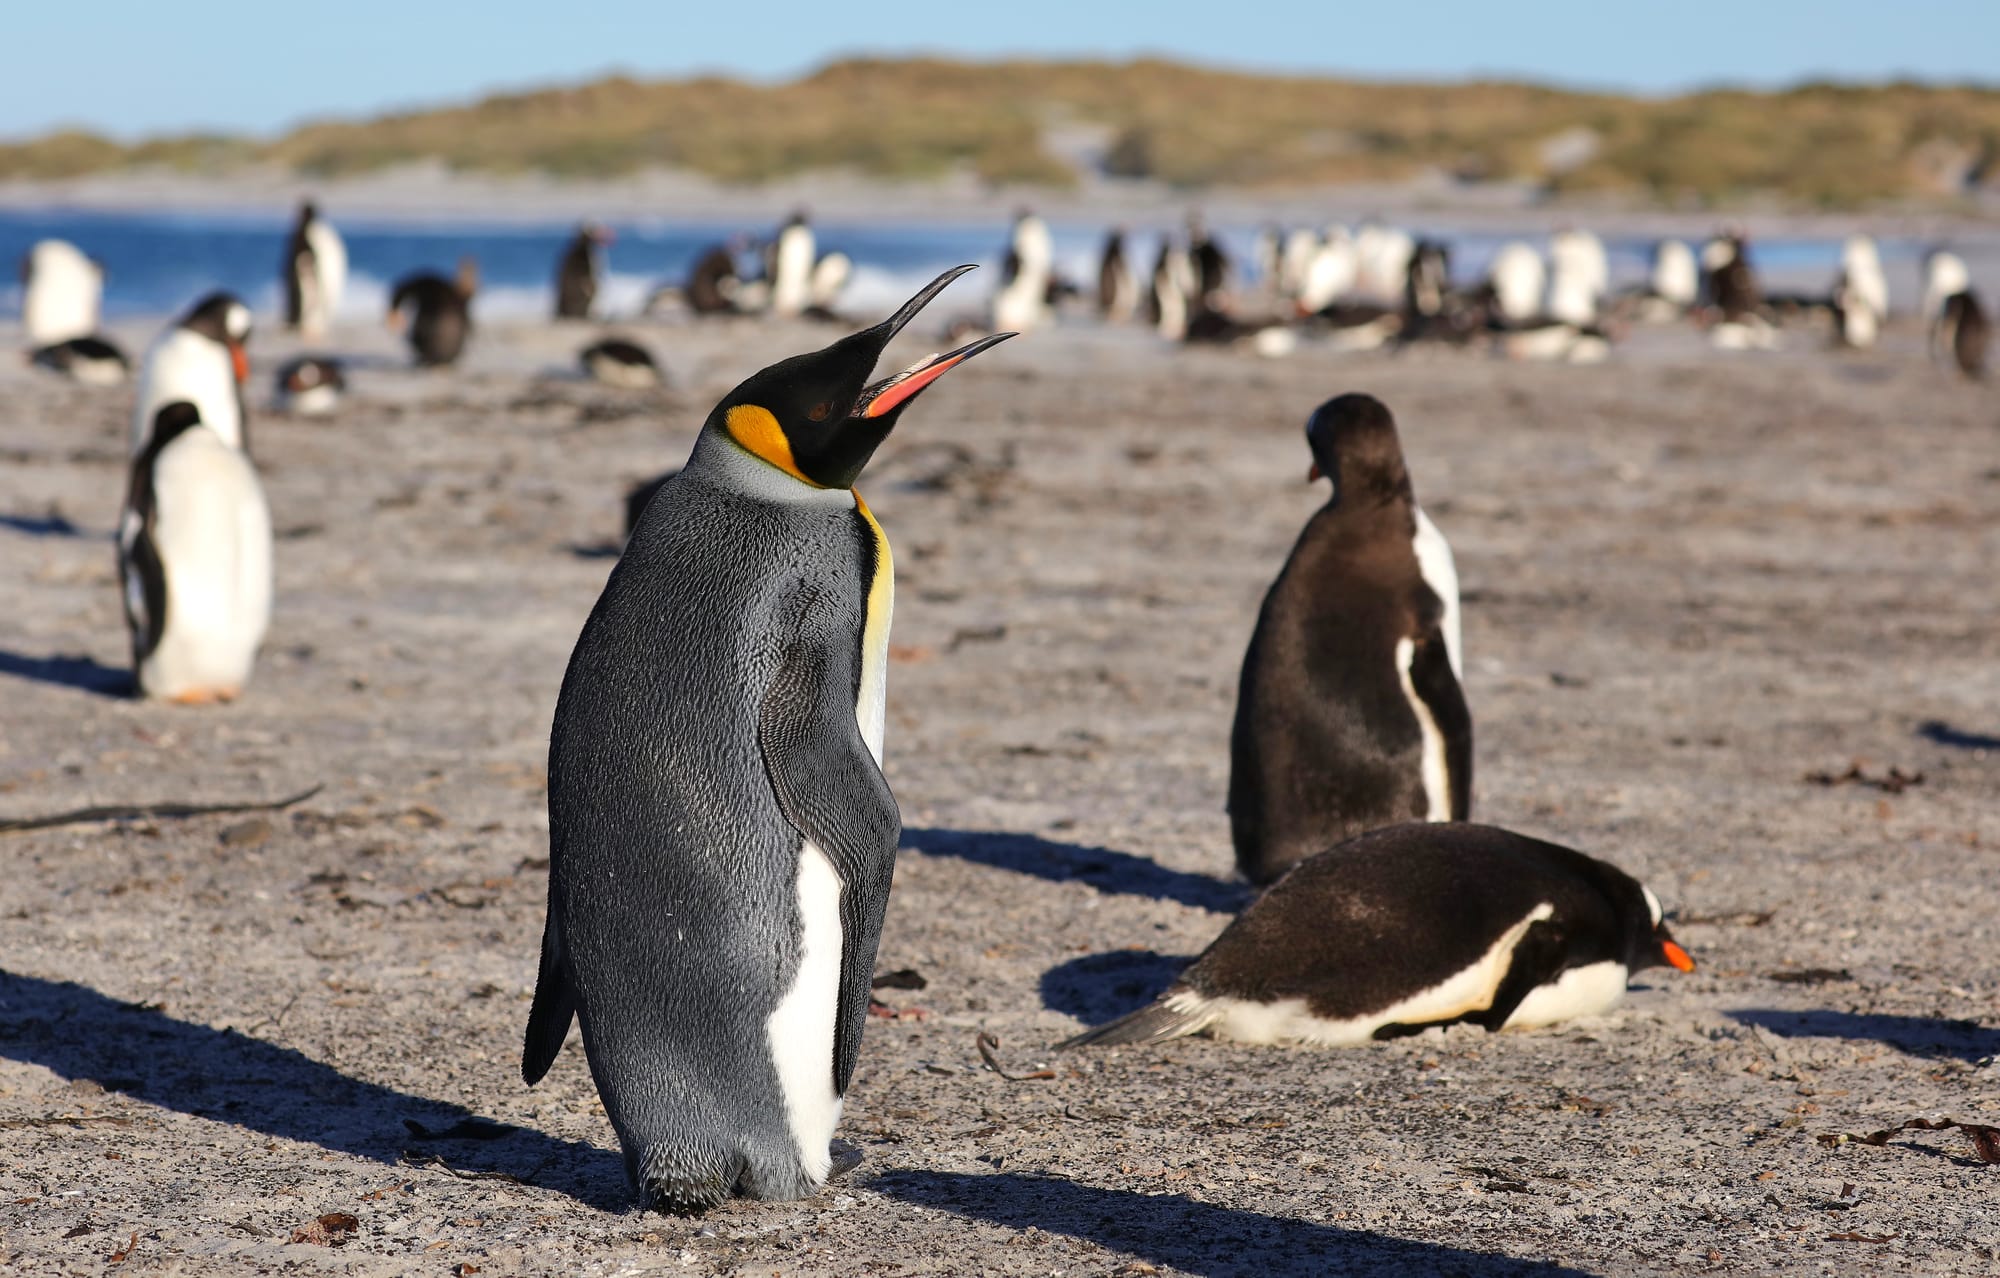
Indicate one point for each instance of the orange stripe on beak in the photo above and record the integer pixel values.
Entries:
(240, 359)
(910, 385)
(1677, 956)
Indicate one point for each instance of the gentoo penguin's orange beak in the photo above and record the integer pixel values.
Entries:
(1312, 476)
(240, 360)
(884, 396)
(1677, 956)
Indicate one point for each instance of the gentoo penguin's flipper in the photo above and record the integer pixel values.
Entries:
(1537, 960)
(1435, 684)
(1154, 1023)
(818, 763)
(555, 1005)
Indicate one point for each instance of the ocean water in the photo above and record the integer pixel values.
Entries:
(157, 263)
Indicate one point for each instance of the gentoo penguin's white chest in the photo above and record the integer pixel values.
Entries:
(185, 365)
(211, 532)
(1440, 572)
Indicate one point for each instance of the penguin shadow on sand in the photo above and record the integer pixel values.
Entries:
(1099, 988)
(1186, 1234)
(69, 671)
(1938, 732)
(1923, 1036)
(228, 1077)
(1112, 873)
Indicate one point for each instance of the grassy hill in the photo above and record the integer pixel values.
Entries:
(1817, 144)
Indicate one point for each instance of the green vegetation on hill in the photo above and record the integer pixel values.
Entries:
(921, 118)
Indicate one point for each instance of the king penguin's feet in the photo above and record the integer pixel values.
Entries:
(846, 1158)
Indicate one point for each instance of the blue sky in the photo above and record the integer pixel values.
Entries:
(146, 66)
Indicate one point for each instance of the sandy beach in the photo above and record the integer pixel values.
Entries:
(289, 1042)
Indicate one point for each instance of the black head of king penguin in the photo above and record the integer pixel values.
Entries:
(721, 839)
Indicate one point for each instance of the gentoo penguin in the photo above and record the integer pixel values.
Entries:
(93, 361)
(829, 280)
(310, 386)
(1945, 276)
(61, 293)
(200, 359)
(1167, 301)
(579, 269)
(1517, 277)
(1295, 259)
(439, 313)
(1962, 329)
(1021, 302)
(713, 283)
(1578, 277)
(788, 267)
(1673, 283)
(1410, 927)
(1382, 261)
(1117, 290)
(1209, 263)
(721, 839)
(1733, 302)
(1427, 283)
(194, 555)
(315, 274)
(621, 362)
(1349, 714)
(1329, 273)
(1554, 341)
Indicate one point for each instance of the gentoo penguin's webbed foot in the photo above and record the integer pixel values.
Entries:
(846, 1158)
(203, 696)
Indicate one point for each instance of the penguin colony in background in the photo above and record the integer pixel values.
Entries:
(722, 1041)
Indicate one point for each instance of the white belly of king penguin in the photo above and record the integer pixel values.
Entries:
(801, 1029)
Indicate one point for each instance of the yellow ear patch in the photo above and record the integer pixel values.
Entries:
(758, 432)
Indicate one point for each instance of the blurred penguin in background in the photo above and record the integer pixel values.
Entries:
(1516, 278)
(315, 274)
(1579, 277)
(788, 267)
(579, 271)
(1117, 289)
(1022, 301)
(61, 293)
(1861, 294)
(435, 313)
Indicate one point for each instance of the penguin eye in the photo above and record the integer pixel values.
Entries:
(819, 411)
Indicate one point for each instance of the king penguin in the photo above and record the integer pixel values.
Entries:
(194, 555)
(200, 359)
(1410, 927)
(1349, 714)
(721, 838)
(315, 274)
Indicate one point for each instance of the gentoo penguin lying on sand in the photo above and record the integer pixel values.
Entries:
(1411, 927)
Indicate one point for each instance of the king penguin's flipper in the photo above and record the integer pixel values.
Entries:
(555, 1005)
(832, 792)
(1432, 678)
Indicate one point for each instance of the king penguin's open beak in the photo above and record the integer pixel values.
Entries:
(894, 391)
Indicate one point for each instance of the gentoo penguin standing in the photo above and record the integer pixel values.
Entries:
(1733, 302)
(315, 274)
(1167, 301)
(61, 293)
(439, 313)
(1673, 284)
(1963, 329)
(1861, 294)
(621, 362)
(1209, 263)
(713, 285)
(1329, 273)
(310, 386)
(721, 839)
(1517, 277)
(1578, 277)
(579, 269)
(788, 267)
(93, 361)
(199, 359)
(829, 280)
(1295, 259)
(1117, 289)
(1021, 302)
(1382, 261)
(1945, 276)
(1410, 927)
(194, 554)
(1349, 714)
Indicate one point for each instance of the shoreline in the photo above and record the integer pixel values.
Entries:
(429, 192)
